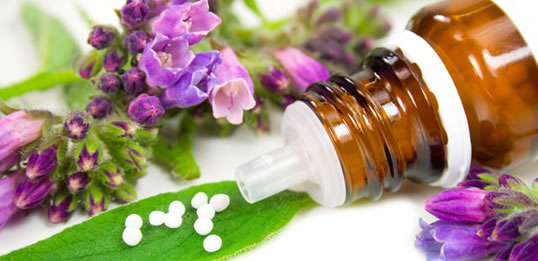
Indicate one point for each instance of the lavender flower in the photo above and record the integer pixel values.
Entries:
(135, 41)
(145, 109)
(41, 164)
(77, 181)
(95, 200)
(16, 130)
(191, 20)
(111, 175)
(30, 194)
(460, 205)
(125, 193)
(76, 126)
(88, 159)
(275, 80)
(445, 241)
(303, 69)
(109, 83)
(133, 81)
(101, 37)
(526, 250)
(8, 187)
(112, 61)
(100, 107)
(134, 13)
(165, 59)
(194, 86)
(235, 90)
(10, 161)
(62, 206)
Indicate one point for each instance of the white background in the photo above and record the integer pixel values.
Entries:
(382, 230)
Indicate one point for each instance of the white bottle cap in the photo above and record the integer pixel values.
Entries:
(307, 162)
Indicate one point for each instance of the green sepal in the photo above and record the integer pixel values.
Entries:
(92, 143)
(94, 190)
(62, 195)
(489, 178)
(112, 133)
(534, 189)
(129, 155)
(6, 109)
(106, 180)
(146, 136)
(125, 193)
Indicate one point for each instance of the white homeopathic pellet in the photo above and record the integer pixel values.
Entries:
(205, 211)
(156, 218)
(134, 221)
(176, 207)
(172, 220)
(199, 199)
(220, 202)
(132, 236)
(212, 243)
(203, 226)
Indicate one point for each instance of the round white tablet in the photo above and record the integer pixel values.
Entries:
(132, 236)
(220, 202)
(212, 243)
(176, 207)
(134, 221)
(203, 226)
(205, 211)
(156, 218)
(172, 220)
(199, 199)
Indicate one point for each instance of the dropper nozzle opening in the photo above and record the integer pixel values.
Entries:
(272, 173)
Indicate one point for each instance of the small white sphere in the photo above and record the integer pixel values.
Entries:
(205, 211)
(134, 221)
(212, 243)
(176, 207)
(172, 220)
(132, 236)
(156, 218)
(199, 199)
(203, 226)
(220, 202)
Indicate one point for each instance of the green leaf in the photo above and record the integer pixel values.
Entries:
(253, 6)
(178, 155)
(54, 43)
(40, 81)
(241, 226)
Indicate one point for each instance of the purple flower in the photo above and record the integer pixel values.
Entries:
(365, 45)
(487, 227)
(145, 109)
(77, 181)
(275, 80)
(303, 69)
(62, 206)
(131, 156)
(76, 126)
(10, 161)
(30, 194)
(95, 200)
(135, 41)
(16, 130)
(88, 160)
(112, 61)
(164, 60)
(194, 86)
(526, 250)
(191, 20)
(111, 175)
(101, 37)
(8, 187)
(86, 68)
(444, 241)
(507, 229)
(287, 99)
(129, 130)
(133, 81)
(460, 205)
(109, 83)
(100, 107)
(330, 16)
(514, 183)
(125, 193)
(134, 13)
(42, 163)
(235, 90)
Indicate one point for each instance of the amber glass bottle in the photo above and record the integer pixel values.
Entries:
(459, 87)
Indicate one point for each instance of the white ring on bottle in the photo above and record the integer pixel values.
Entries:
(451, 111)
(522, 13)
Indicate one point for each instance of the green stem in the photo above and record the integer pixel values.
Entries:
(38, 82)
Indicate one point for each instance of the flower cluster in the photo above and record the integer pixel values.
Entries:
(487, 214)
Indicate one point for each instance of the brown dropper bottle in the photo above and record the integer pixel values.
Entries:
(458, 87)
